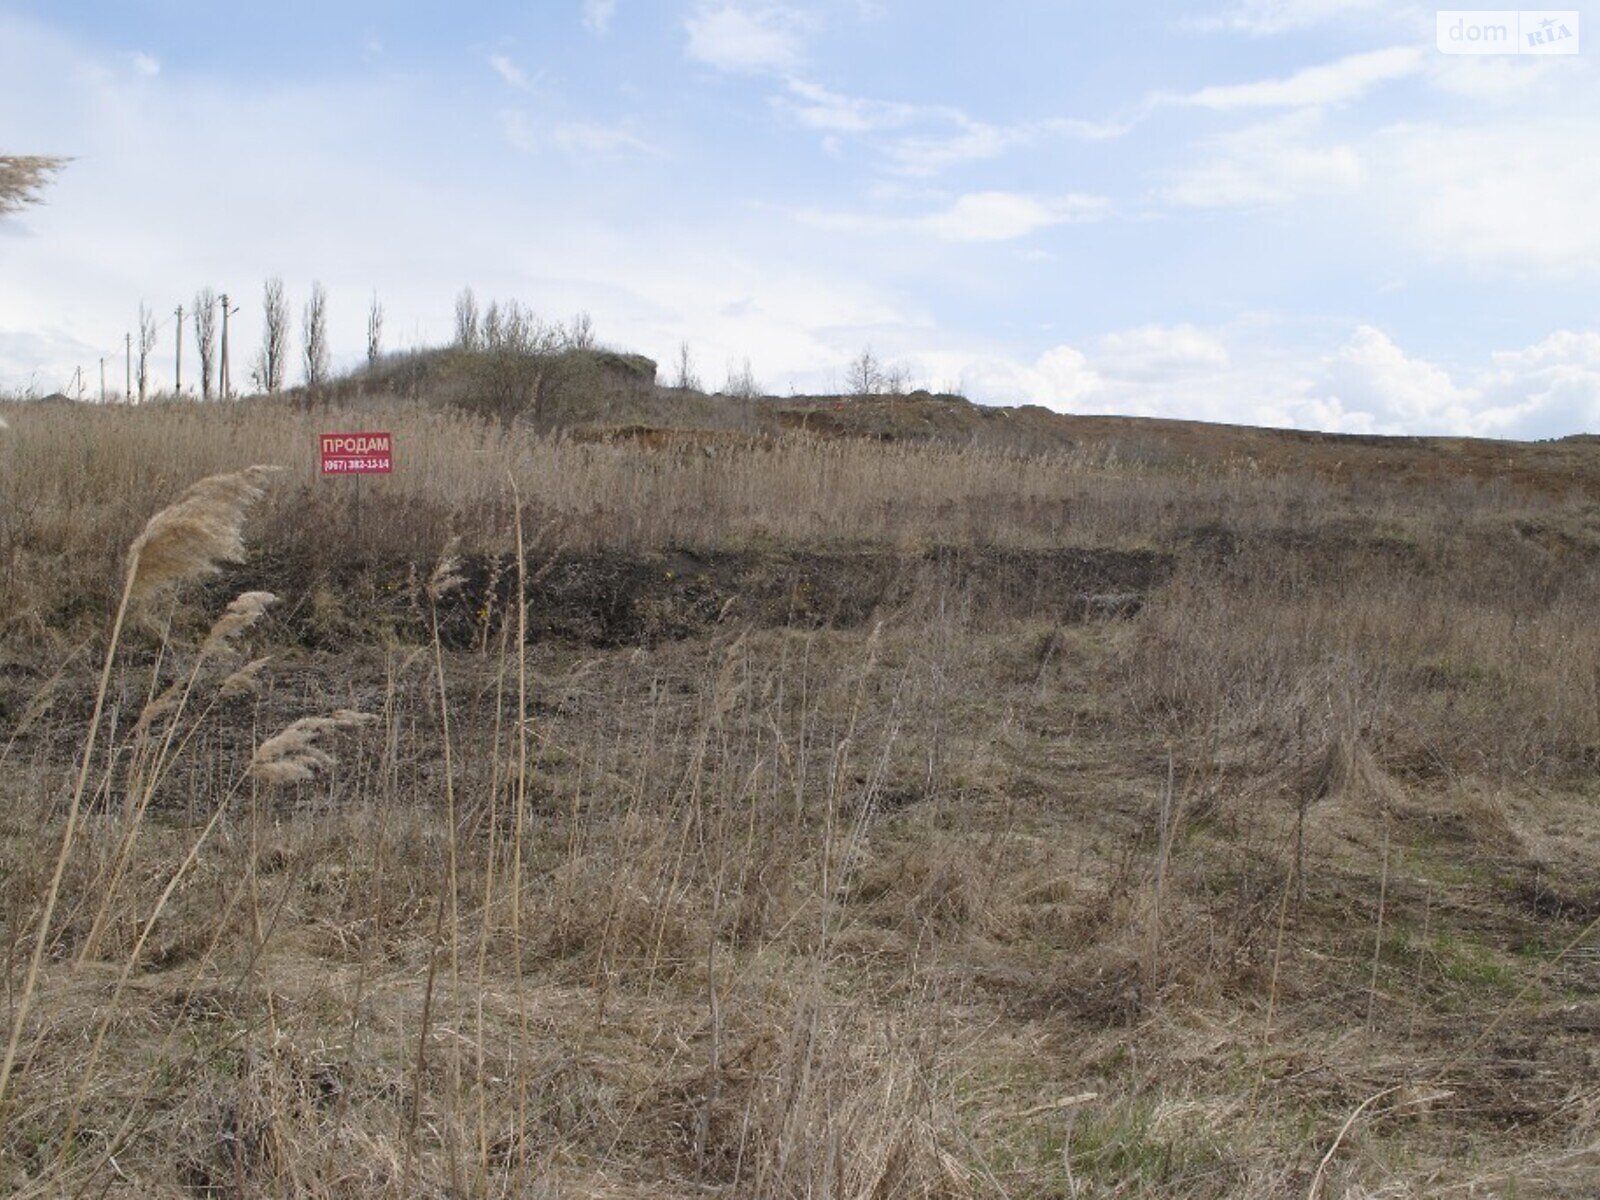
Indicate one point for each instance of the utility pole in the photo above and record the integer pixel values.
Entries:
(222, 371)
(102, 379)
(127, 347)
(177, 373)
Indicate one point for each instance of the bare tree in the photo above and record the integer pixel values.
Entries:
(147, 343)
(865, 376)
(205, 336)
(374, 332)
(512, 377)
(580, 334)
(742, 382)
(685, 380)
(23, 178)
(273, 360)
(314, 334)
(467, 336)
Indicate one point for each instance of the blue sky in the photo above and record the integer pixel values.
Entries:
(1287, 212)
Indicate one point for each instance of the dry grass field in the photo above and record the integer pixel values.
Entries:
(822, 808)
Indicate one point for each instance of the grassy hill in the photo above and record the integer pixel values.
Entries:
(661, 794)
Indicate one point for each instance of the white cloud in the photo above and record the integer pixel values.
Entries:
(1373, 375)
(598, 15)
(589, 139)
(926, 138)
(59, 354)
(1061, 378)
(1514, 199)
(593, 138)
(1065, 375)
(968, 142)
(1271, 162)
(746, 38)
(1549, 388)
(1004, 216)
(508, 71)
(147, 65)
(1367, 384)
(1157, 351)
(1330, 83)
(992, 216)
(1152, 370)
(821, 108)
(1509, 197)
(1494, 77)
(1261, 17)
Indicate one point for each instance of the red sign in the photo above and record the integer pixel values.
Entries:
(357, 453)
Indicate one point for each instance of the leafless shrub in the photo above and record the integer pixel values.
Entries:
(741, 383)
(513, 370)
(684, 378)
(869, 376)
(580, 333)
(864, 378)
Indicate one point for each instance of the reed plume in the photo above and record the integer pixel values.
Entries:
(246, 609)
(293, 755)
(246, 681)
(194, 535)
(446, 576)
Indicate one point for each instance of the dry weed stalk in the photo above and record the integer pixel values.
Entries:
(519, 823)
(242, 612)
(148, 769)
(180, 543)
(445, 579)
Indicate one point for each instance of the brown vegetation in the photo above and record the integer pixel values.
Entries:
(793, 814)
(23, 178)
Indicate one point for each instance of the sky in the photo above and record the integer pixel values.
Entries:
(1272, 212)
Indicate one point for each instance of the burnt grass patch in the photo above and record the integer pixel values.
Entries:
(620, 598)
